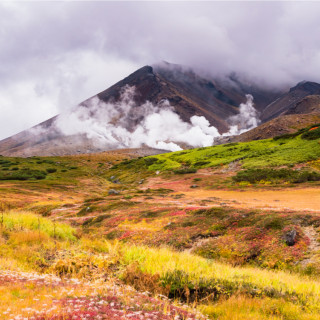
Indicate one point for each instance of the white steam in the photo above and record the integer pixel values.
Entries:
(124, 124)
(246, 120)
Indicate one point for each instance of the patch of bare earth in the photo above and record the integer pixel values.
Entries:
(298, 199)
(314, 246)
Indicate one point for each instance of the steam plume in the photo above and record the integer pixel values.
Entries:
(246, 120)
(124, 124)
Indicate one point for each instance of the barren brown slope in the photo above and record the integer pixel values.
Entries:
(278, 126)
(309, 104)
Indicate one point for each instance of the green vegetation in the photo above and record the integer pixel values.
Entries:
(312, 134)
(272, 175)
(191, 278)
(303, 131)
(23, 174)
(255, 154)
(185, 170)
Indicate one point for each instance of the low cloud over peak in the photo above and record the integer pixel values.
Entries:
(56, 54)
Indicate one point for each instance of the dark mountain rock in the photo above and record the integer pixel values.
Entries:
(289, 100)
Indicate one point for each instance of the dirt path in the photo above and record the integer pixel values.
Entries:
(314, 246)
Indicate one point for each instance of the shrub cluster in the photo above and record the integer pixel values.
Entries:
(185, 170)
(268, 174)
(312, 134)
(23, 174)
(308, 133)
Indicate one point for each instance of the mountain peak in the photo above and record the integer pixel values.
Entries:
(310, 86)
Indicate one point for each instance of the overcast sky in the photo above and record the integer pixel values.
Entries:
(56, 54)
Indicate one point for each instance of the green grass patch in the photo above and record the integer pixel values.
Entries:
(285, 150)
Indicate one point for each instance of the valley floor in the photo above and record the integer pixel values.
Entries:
(294, 198)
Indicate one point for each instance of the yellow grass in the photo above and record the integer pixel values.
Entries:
(159, 261)
(24, 220)
(246, 308)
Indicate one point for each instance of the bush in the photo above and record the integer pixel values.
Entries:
(268, 174)
(306, 133)
(51, 170)
(201, 163)
(185, 170)
(150, 161)
(307, 176)
(85, 210)
(96, 220)
(312, 134)
(24, 174)
(218, 212)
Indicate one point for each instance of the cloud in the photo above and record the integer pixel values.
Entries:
(56, 54)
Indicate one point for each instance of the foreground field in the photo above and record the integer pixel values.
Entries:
(219, 233)
(86, 278)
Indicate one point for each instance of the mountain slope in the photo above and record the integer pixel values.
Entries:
(187, 93)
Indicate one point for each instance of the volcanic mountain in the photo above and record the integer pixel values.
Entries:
(164, 107)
